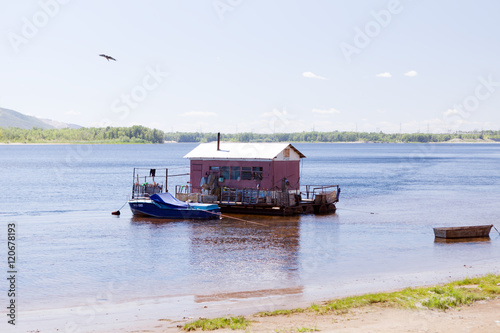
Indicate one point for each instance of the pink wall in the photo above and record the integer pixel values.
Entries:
(289, 170)
(272, 173)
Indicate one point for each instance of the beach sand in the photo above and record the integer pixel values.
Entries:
(167, 314)
(481, 317)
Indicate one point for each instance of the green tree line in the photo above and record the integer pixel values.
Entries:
(333, 137)
(134, 134)
(141, 134)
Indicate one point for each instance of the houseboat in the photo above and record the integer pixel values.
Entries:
(254, 178)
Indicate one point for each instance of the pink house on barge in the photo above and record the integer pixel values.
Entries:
(246, 165)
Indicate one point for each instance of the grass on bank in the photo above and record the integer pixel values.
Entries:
(307, 329)
(451, 295)
(234, 323)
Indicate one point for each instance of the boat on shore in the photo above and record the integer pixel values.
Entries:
(150, 199)
(463, 232)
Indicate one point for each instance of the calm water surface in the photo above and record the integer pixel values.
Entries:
(71, 249)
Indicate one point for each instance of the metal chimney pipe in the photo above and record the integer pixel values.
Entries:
(218, 141)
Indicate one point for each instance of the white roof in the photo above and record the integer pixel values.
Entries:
(242, 151)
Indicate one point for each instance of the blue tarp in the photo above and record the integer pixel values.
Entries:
(168, 199)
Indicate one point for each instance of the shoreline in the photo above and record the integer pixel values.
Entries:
(453, 141)
(479, 317)
(164, 314)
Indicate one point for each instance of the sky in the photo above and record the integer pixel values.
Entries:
(261, 66)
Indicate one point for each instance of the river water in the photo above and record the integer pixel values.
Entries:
(71, 250)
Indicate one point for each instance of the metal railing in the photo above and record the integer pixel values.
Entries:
(149, 181)
(312, 190)
(146, 190)
(255, 196)
(252, 196)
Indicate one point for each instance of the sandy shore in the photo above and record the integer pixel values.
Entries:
(165, 313)
(481, 317)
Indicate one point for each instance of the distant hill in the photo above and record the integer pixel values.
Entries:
(58, 124)
(11, 118)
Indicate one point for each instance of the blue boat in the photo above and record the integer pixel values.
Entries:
(149, 198)
(166, 206)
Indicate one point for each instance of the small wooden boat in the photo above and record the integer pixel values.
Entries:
(463, 232)
(462, 240)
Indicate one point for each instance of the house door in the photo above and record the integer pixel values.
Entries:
(196, 176)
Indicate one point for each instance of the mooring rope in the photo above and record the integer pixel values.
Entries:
(496, 229)
(234, 218)
(355, 210)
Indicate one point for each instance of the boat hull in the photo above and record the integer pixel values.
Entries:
(153, 209)
(463, 232)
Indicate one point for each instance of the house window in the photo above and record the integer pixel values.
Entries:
(246, 173)
(257, 173)
(286, 153)
(224, 172)
(235, 173)
(212, 168)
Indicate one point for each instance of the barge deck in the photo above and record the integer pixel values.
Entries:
(314, 199)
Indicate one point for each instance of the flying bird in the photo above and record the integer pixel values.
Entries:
(108, 58)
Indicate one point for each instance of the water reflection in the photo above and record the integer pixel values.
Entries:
(320, 247)
(153, 220)
(462, 240)
(248, 294)
(230, 258)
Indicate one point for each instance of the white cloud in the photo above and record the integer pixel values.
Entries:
(385, 74)
(73, 113)
(311, 75)
(451, 112)
(276, 113)
(411, 73)
(329, 111)
(199, 114)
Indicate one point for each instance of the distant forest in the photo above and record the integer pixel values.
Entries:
(334, 137)
(141, 134)
(134, 134)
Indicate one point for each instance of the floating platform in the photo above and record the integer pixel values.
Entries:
(315, 199)
(301, 208)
